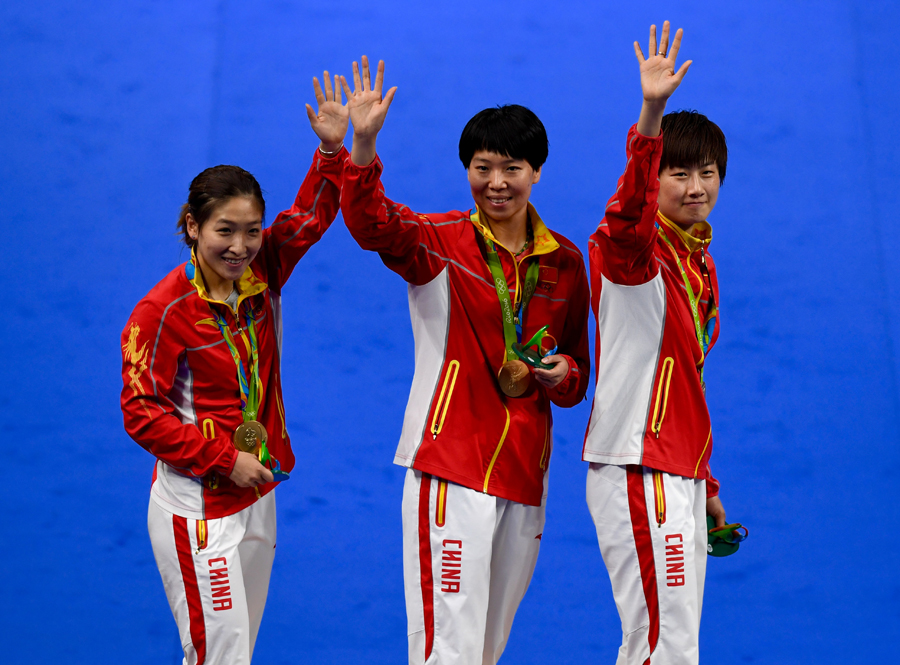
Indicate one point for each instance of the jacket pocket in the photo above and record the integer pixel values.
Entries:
(662, 395)
(443, 402)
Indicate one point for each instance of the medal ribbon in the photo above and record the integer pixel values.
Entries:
(251, 390)
(512, 314)
(702, 333)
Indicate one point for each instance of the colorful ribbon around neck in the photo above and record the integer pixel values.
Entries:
(512, 313)
(251, 390)
(703, 334)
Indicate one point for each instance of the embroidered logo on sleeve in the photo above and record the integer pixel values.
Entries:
(137, 359)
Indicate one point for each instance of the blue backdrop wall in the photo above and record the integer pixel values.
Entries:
(107, 110)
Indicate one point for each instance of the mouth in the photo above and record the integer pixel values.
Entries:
(499, 200)
(233, 262)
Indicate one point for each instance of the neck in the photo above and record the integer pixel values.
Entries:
(218, 288)
(511, 233)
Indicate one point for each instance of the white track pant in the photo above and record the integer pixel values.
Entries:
(651, 527)
(468, 558)
(216, 576)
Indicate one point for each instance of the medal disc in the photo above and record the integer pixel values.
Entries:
(248, 436)
(514, 378)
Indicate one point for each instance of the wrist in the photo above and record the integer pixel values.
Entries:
(330, 149)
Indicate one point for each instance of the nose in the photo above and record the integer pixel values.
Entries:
(498, 180)
(695, 186)
(237, 244)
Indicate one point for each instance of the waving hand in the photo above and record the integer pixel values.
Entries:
(367, 110)
(659, 79)
(330, 123)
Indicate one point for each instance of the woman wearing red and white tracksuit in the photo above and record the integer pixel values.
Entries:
(653, 284)
(475, 492)
(201, 359)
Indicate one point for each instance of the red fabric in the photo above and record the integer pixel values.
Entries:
(640, 524)
(191, 589)
(418, 248)
(427, 578)
(169, 331)
(627, 249)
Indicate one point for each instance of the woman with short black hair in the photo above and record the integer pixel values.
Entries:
(485, 286)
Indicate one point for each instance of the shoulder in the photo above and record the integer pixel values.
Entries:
(568, 249)
(171, 290)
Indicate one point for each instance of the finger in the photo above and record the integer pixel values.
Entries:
(679, 75)
(345, 86)
(379, 76)
(313, 118)
(388, 98)
(329, 93)
(267, 476)
(676, 44)
(664, 39)
(357, 83)
(639, 53)
(337, 89)
(320, 97)
(367, 80)
(652, 49)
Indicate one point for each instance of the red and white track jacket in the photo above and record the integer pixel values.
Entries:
(181, 398)
(649, 406)
(459, 426)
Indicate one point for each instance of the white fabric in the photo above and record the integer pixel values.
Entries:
(232, 575)
(481, 564)
(429, 313)
(678, 556)
(630, 322)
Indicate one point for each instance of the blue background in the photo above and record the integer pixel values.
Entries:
(107, 110)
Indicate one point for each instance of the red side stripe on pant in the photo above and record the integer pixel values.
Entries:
(427, 579)
(640, 524)
(191, 589)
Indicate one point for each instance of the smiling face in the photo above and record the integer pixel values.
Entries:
(688, 195)
(501, 185)
(228, 241)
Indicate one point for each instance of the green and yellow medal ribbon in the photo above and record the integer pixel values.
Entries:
(251, 390)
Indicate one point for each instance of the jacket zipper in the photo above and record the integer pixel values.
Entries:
(545, 456)
(662, 395)
(702, 453)
(437, 421)
(487, 475)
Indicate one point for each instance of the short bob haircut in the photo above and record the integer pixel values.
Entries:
(213, 187)
(690, 139)
(510, 130)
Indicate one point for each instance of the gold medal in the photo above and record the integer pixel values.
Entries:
(248, 436)
(514, 378)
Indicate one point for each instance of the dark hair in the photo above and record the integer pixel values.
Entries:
(691, 139)
(213, 187)
(510, 130)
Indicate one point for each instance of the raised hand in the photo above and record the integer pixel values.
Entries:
(658, 77)
(330, 123)
(367, 109)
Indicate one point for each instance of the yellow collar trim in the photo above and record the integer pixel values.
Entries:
(544, 242)
(248, 285)
(699, 235)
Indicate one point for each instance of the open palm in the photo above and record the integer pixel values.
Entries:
(331, 120)
(366, 105)
(658, 76)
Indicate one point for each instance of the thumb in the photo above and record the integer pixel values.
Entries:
(313, 118)
(388, 98)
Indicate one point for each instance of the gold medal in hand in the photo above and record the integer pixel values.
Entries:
(248, 435)
(514, 378)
